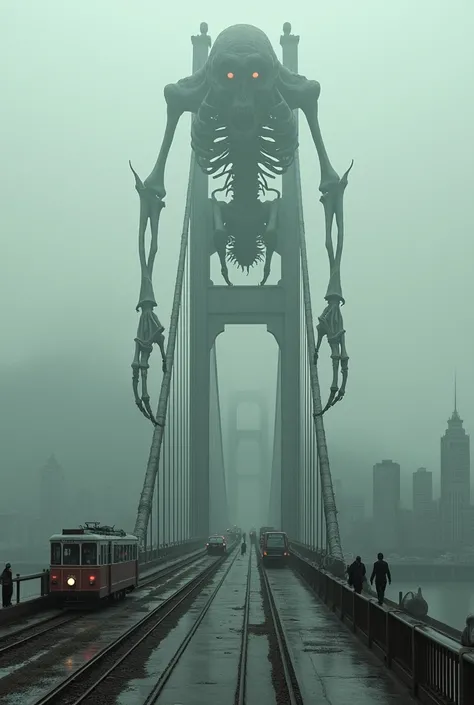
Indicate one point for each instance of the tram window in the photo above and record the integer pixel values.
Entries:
(117, 553)
(89, 554)
(55, 554)
(103, 554)
(71, 554)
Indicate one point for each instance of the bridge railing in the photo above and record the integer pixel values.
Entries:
(435, 668)
(170, 551)
(41, 590)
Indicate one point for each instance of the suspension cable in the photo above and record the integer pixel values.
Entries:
(327, 491)
(146, 498)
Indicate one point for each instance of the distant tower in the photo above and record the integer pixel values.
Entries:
(250, 478)
(386, 508)
(51, 504)
(455, 480)
(423, 508)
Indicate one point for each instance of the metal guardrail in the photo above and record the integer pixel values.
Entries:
(437, 669)
(42, 576)
(168, 552)
(171, 550)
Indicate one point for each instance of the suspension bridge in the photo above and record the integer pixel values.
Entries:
(244, 104)
(185, 475)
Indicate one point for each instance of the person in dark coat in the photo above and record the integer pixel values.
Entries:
(357, 575)
(380, 573)
(6, 578)
(243, 548)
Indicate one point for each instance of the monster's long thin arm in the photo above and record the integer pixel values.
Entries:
(150, 330)
(156, 181)
(330, 322)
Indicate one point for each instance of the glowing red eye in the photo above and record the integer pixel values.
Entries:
(255, 74)
(230, 75)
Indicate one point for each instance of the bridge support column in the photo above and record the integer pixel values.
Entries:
(199, 372)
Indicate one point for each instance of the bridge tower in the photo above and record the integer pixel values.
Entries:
(258, 483)
(214, 306)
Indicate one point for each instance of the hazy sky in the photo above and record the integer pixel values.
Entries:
(81, 85)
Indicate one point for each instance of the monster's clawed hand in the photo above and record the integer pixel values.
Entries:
(331, 325)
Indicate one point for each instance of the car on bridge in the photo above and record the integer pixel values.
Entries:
(216, 544)
(275, 547)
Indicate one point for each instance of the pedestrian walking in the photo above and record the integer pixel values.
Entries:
(356, 575)
(381, 573)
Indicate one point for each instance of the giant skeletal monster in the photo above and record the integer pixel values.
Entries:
(244, 130)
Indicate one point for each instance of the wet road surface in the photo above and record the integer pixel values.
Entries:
(332, 667)
(259, 685)
(207, 671)
(36, 675)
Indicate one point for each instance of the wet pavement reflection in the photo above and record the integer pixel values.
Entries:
(207, 671)
(92, 634)
(332, 667)
(259, 686)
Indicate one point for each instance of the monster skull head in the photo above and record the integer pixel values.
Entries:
(241, 74)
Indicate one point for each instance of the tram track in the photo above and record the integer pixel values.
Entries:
(289, 691)
(11, 642)
(82, 685)
(154, 695)
(23, 637)
(242, 672)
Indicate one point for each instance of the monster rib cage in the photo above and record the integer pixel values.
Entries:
(274, 148)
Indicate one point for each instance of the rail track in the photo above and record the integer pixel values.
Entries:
(159, 686)
(11, 642)
(84, 682)
(283, 657)
(21, 638)
(242, 673)
(86, 685)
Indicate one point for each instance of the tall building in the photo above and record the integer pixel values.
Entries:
(51, 500)
(424, 510)
(386, 505)
(422, 491)
(455, 482)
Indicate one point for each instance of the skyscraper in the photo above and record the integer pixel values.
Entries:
(386, 504)
(422, 491)
(455, 482)
(423, 509)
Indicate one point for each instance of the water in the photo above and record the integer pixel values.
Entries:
(448, 602)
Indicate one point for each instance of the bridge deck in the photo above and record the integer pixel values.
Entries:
(331, 665)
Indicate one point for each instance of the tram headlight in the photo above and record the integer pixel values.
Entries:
(71, 581)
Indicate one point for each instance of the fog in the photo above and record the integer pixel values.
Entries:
(82, 93)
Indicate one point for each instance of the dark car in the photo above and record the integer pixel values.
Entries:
(275, 547)
(216, 544)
